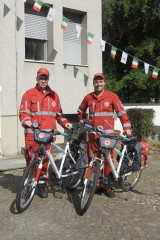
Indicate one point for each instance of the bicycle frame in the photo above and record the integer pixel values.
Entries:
(65, 153)
(116, 173)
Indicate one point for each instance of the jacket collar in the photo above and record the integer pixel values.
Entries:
(48, 89)
(104, 95)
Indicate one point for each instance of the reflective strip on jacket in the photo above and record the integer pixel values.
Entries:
(101, 111)
(42, 108)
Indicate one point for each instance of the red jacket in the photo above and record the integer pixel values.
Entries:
(101, 111)
(44, 108)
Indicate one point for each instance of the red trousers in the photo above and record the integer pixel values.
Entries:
(93, 147)
(29, 149)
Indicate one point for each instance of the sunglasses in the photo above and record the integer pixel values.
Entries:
(43, 78)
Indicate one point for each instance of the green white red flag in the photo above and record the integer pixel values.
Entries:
(51, 14)
(113, 51)
(37, 5)
(155, 73)
(64, 23)
(90, 38)
(78, 30)
(135, 63)
(103, 44)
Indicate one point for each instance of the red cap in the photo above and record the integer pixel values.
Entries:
(43, 71)
(98, 75)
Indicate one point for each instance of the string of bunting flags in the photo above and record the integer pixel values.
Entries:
(90, 36)
(135, 61)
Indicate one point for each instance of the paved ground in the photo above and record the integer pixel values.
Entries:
(56, 218)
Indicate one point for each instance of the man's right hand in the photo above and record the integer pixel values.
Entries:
(28, 123)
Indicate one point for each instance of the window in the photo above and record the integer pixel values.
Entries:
(35, 49)
(37, 31)
(74, 49)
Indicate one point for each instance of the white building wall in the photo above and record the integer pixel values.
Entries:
(18, 75)
(0, 122)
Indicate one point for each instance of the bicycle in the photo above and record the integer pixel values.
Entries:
(64, 169)
(124, 174)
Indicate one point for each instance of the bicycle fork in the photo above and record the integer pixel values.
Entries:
(33, 181)
(88, 173)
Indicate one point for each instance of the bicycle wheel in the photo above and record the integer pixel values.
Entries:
(72, 182)
(27, 187)
(89, 187)
(129, 178)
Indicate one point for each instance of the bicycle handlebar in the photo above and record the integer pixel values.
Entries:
(106, 135)
(59, 133)
(35, 126)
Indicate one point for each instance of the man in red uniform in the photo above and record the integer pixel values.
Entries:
(101, 104)
(42, 105)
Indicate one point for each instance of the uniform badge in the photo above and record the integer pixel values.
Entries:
(106, 104)
(53, 104)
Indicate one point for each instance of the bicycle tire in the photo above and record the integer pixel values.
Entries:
(129, 178)
(89, 187)
(28, 186)
(71, 183)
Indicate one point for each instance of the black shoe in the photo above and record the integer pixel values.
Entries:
(108, 191)
(99, 188)
(42, 190)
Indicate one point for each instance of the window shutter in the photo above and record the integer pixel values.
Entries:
(36, 23)
(72, 44)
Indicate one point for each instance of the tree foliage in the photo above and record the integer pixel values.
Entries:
(133, 27)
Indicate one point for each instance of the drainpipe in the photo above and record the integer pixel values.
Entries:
(0, 121)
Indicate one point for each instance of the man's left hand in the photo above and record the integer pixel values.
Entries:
(68, 125)
(128, 132)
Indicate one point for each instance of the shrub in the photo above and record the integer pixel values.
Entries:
(142, 122)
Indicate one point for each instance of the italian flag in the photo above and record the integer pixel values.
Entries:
(64, 23)
(37, 6)
(155, 73)
(90, 38)
(135, 63)
(113, 51)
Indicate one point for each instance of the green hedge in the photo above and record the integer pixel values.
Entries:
(142, 122)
